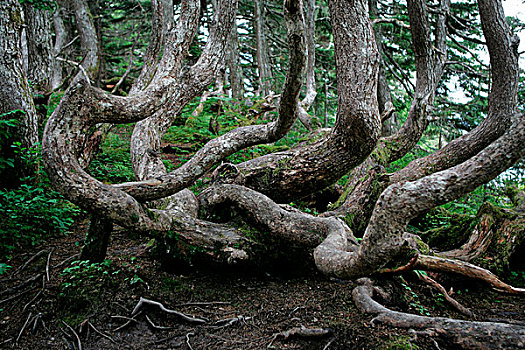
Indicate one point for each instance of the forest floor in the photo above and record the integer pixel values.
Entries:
(50, 304)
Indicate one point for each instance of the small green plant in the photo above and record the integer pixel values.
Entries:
(83, 283)
(413, 300)
(82, 275)
(4, 268)
(32, 211)
(517, 278)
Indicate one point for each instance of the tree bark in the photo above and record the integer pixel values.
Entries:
(16, 101)
(284, 176)
(311, 92)
(494, 241)
(263, 54)
(39, 44)
(161, 24)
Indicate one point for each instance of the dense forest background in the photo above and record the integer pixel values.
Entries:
(485, 226)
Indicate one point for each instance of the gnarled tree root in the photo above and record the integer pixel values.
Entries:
(434, 263)
(466, 334)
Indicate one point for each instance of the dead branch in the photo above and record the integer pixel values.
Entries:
(37, 294)
(74, 333)
(191, 319)
(467, 334)
(441, 289)
(35, 320)
(437, 264)
(15, 296)
(65, 261)
(204, 303)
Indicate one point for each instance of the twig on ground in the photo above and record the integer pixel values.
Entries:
(185, 317)
(204, 303)
(65, 261)
(23, 327)
(37, 255)
(16, 296)
(47, 263)
(329, 343)
(188, 339)
(37, 294)
(75, 333)
(6, 341)
(35, 322)
(226, 322)
(100, 333)
(129, 320)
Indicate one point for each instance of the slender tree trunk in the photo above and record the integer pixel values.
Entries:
(311, 92)
(263, 58)
(162, 22)
(234, 65)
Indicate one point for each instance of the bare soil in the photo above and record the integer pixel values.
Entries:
(242, 309)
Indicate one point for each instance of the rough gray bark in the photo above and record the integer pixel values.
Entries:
(88, 40)
(466, 334)
(39, 45)
(367, 181)
(322, 161)
(385, 234)
(15, 93)
(161, 24)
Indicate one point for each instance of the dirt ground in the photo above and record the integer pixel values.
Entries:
(92, 309)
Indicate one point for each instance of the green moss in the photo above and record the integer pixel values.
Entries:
(399, 343)
(454, 230)
(381, 154)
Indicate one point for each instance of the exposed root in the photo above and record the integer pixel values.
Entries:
(447, 297)
(434, 263)
(129, 320)
(102, 334)
(79, 343)
(23, 327)
(230, 321)
(466, 334)
(157, 327)
(144, 301)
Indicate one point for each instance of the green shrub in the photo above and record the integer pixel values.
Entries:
(31, 211)
(29, 214)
